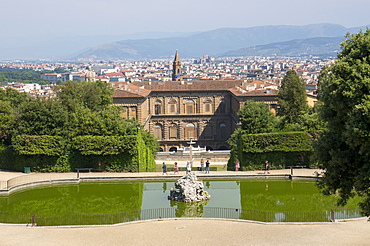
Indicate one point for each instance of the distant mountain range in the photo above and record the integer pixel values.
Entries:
(324, 47)
(315, 39)
(67, 47)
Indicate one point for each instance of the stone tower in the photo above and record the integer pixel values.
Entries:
(176, 72)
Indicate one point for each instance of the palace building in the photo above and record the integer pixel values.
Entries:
(178, 111)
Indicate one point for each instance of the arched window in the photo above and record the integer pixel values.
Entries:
(190, 131)
(190, 106)
(173, 149)
(222, 131)
(173, 108)
(158, 107)
(222, 106)
(173, 132)
(209, 148)
(158, 131)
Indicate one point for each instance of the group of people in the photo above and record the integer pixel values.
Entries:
(202, 165)
(207, 163)
(188, 167)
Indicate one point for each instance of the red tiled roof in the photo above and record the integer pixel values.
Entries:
(263, 92)
(208, 85)
(128, 90)
(114, 74)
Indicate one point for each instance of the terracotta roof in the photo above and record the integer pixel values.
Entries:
(122, 93)
(125, 89)
(237, 91)
(114, 74)
(208, 85)
(143, 88)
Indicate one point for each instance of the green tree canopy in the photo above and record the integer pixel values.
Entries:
(10, 101)
(14, 97)
(21, 75)
(42, 117)
(292, 99)
(93, 95)
(7, 119)
(344, 149)
(256, 117)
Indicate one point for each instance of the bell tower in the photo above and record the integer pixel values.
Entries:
(176, 72)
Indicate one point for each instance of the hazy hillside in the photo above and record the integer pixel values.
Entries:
(67, 47)
(213, 42)
(162, 44)
(297, 47)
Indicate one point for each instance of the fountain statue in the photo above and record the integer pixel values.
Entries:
(188, 189)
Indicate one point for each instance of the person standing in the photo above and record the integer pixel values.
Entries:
(266, 167)
(175, 168)
(164, 169)
(237, 165)
(202, 165)
(207, 166)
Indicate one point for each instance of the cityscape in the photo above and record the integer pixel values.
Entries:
(194, 123)
(268, 69)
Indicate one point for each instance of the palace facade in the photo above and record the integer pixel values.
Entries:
(178, 111)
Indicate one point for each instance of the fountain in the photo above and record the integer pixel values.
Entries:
(188, 189)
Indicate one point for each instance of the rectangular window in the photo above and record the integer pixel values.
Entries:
(208, 107)
(190, 109)
(173, 132)
(190, 134)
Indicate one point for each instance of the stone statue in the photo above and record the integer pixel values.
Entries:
(188, 167)
(188, 189)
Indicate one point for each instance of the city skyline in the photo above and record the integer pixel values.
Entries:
(41, 19)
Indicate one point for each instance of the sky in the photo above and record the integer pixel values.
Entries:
(55, 18)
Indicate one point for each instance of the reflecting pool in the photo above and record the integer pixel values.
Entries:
(115, 197)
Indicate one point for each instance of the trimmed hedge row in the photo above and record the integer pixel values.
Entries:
(55, 154)
(280, 149)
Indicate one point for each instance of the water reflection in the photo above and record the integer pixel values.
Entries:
(195, 209)
(104, 198)
(76, 199)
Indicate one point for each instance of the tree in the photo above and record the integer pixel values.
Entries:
(14, 97)
(7, 119)
(292, 99)
(10, 101)
(256, 117)
(42, 117)
(343, 150)
(93, 95)
(21, 75)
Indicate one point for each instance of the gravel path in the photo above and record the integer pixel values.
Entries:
(192, 232)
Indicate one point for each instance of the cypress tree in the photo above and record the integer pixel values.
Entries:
(292, 99)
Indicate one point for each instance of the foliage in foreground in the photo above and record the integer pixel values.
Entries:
(343, 150)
